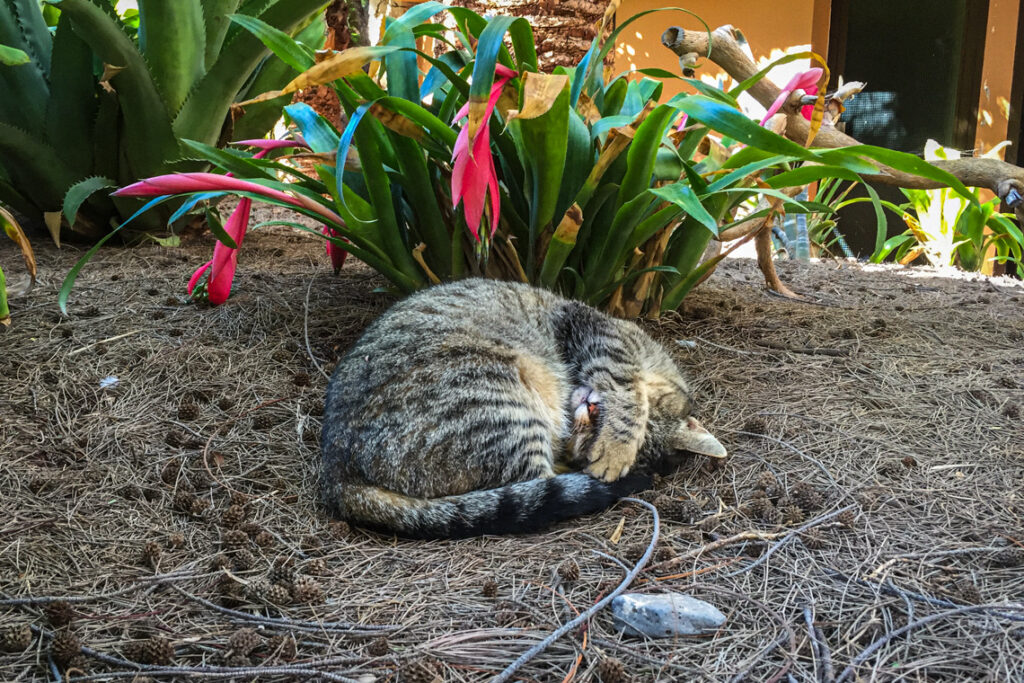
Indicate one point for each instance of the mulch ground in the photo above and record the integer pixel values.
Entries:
(158, 489)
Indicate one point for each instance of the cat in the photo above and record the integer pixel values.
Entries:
(489, 407)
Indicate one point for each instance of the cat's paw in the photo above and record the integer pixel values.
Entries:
(610, 459)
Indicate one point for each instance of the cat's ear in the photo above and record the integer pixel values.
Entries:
(691, 436)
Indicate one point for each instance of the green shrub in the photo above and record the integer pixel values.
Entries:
(104, 100)
(591, 188)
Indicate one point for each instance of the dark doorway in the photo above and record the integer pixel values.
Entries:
(921, 60)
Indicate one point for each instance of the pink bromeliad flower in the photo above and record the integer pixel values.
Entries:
(806, 81)
(222, 266)
(473, 172)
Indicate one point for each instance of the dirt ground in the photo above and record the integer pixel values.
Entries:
(885, 418)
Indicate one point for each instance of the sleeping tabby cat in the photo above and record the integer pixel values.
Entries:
(487, 407)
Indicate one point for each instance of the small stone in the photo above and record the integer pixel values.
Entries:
(664, 615)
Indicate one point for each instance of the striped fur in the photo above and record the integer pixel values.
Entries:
(451, 416)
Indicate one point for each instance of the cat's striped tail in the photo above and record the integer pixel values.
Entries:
(522, 507)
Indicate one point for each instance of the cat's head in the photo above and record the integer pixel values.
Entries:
(673, 433)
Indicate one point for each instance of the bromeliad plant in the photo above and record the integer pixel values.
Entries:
(592, 188)
(948, 229)
(105, 98)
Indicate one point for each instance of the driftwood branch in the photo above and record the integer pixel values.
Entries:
(1002, 178)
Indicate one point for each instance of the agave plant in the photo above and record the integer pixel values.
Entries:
(105, 99)
(595, 189)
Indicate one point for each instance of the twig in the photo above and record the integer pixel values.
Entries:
(597, 607)
(809, 350)
(891, 589)
(103, 341)
(715, 545)
(881, 642)
(789, 537)
(305, 329)
(822, 654)
(344, 626)
(796, 450)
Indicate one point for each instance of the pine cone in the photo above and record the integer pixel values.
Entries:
(378, 647)
(307, 591)
(316, 567)
(188, 412)
(59, 613)
(664, 553)
(1011, 556)
(65, 647)
(233, 516)
(301, 379)
(278, 595)
(813, 539)
(340, 530)
(237, 660)
(490, 588)
(183, 501)
(611, 670)
(423, 670)
(761, 508)
(263, 421)
(238, 498)
(220, 561)
(791, 514)
(225, 403)
(169, 472)
(176, 539)
(676, 510)
(283, 646)
(235, 538)
(772, 515)
(807, 497)
(966, 592)
(847, 519)
(569, 570)
(155, 650)
(16, 638)
(244, 640)
(151, 554)
(766, 480)
(282, 574)
(243, 560)
(199, 507)
(264, 539)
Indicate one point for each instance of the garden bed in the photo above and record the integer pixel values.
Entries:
(897, 396)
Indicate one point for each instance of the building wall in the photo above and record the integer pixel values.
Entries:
(772, 29)
(997, 74)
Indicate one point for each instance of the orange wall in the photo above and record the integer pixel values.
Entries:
(771, 27)
(997, 74)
